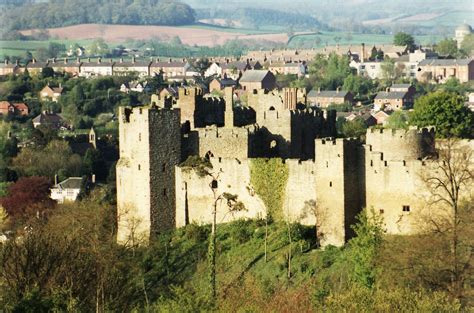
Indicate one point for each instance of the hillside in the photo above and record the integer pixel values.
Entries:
(192, 35)
(72, 12)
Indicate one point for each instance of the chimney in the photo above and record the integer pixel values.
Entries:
(55, 180)
(78, 60)
(387, 89)
(99, 59)
(319, 89)
(169, 61)
(93, 178)
(54, 60)
(60, 85)
(337, 89)
(65, 60)
(121, 60)
(6, 61)
(17, 62)
(33, 61)
(133, 60)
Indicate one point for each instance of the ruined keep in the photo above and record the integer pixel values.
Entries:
(338, 177)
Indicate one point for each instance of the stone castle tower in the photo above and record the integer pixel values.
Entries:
(150, 148)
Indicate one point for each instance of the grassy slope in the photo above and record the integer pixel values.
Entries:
(240, 250)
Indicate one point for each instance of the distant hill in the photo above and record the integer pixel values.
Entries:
(260, 17)
(17, 15)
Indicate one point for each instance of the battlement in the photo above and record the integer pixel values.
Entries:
(138, 114)
(190, 92)
(400, 132)
(223, 133)
(400, 144)
(335, 141)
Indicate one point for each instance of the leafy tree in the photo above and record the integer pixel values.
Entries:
(467, 45)
(27, 196)
(446, 111)
(398, 120)
(447, 47)
(329, 72)
(55, 49)
(356, 128)
(358, 85)
(364, 247)
(404, 39)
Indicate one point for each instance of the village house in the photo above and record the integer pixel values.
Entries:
(51, 93)
(7, 68)
(8, 108)
(169, 92)
(381, 117)
(97, 68)
(34, 67)
(169, 68)
(52, 120)
(124, 68)
(397, 97)
(326, 97)
(440, 70)
(257, 79)
(287, 68)
(218, 84)
(73, 68)
(135, 86)
(67, 190)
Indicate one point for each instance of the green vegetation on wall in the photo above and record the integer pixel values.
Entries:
(269, 178)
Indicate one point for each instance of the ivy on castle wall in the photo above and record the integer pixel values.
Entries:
(269, 178)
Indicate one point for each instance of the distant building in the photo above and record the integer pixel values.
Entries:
(169, 68)
(440, 70)
(257, 79)
(135, 86)
(34, 67)
(326, 97)
(52, 120)
(124, 68)
(51, 93)
(393, 100)
(67, 190)
(287, 68)
(7, 68)
(461, 32)
(8, 108)
(218, 84)
(97, 68)
(65, 66)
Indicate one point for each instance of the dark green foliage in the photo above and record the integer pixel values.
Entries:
(447, 47)
(356, 128)
(269, 177)
(404, 39)
(72, 12)
(201, 166)
(363, 249)
(329, 73)
(446, 111)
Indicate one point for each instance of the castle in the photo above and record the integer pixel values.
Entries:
(338, 176)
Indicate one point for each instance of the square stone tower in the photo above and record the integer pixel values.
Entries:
(150, 148)
(337, 188)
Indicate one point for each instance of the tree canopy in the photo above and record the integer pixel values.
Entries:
(446, 111)
(58, 13)
(404, 39)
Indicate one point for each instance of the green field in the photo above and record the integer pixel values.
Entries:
(19, 48)
(332, 38)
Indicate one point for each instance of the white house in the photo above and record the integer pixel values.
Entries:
(67, 190)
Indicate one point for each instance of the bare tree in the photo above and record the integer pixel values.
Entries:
(449, 216)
